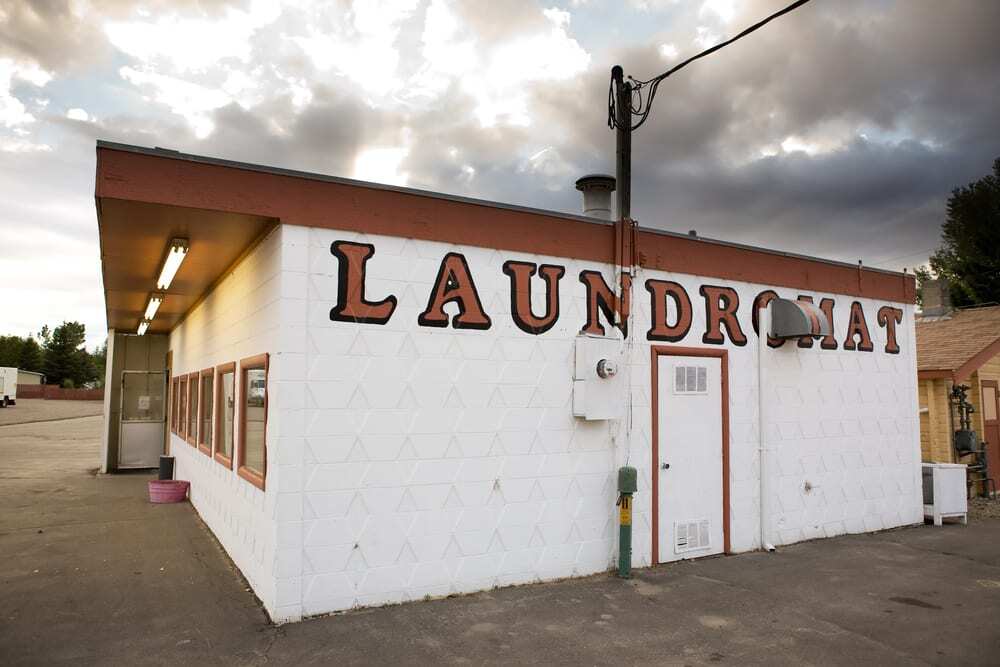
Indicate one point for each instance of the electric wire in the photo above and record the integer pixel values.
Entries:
(642, 107)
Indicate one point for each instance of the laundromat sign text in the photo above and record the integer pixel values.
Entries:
(454, 284)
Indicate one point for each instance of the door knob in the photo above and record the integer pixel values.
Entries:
(665, 466)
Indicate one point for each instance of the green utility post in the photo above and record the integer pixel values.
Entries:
(627, 485)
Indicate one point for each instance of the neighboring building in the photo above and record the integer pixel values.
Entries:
(29, 377)
(957, 347)
(381, 394)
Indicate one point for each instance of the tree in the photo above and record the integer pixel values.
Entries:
(969, 256)
(100, 359)
(10, 350)
(31, 356)
(65, 356)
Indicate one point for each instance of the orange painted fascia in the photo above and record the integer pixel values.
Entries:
(314, 201)
(942, 374)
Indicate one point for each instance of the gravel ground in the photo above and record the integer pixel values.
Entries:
(29, 410)
(984, 508)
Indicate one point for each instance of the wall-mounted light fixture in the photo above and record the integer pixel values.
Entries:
(176, 253)
(142, 328)
(155, 299)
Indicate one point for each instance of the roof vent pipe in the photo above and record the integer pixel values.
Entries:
(596, 189)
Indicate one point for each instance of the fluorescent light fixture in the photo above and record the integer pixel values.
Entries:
(142, 328)
(175, 255)
(155, 299)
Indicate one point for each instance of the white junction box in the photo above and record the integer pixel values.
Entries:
(598, 378)
(945, 492)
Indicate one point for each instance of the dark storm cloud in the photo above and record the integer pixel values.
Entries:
(921, 79)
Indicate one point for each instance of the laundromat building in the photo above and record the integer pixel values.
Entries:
(381, 394)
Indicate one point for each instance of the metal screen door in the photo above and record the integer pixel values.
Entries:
(143, 419)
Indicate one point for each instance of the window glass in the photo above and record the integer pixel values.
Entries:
(173, 405)
(205, 434)
(227, 411)
(192, 431)
(255, 382)
(989, 403)
(182, 406)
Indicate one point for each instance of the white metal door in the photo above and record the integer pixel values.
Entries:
(690, 457)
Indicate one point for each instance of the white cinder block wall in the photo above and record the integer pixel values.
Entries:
(407, 461)
(238, 319)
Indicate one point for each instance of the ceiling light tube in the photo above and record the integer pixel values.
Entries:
(175, 255)
(142, 328)
(155, 299)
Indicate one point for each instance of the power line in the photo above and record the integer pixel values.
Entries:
(895, 259)
(642, 109)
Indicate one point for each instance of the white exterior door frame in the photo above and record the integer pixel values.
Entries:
(656, 352)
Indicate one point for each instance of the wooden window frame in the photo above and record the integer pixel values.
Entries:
(260, 361)
(182, 396)
(220, 370)
(174, 401)
(205, 447)
(192, 386)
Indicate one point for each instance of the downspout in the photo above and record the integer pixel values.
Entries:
(764, 328)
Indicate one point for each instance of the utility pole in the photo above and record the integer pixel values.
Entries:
(622, 91)
(628, 99)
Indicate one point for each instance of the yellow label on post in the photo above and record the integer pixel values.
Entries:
(625, 513)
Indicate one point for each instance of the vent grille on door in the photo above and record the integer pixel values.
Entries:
(690, 380)
(691, 536)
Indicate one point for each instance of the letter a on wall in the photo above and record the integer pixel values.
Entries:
(454, 284)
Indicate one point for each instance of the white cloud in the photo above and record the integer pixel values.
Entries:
(381, 165)
(363, 49)
(192, 43)
(723, 9)
(12, 111)
(190, 100)
(77, 113)
(669, 51)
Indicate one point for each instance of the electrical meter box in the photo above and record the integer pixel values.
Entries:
(598, 378)
(628, 480)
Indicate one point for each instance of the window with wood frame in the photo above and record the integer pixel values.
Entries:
(205, 410)
(253, 420)
(173, 405)
(192, 413)
(225, 413)
(182, 394)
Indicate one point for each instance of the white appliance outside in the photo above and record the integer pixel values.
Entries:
(690, 457)
(945, 492)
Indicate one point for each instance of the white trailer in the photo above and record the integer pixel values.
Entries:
(8, 386)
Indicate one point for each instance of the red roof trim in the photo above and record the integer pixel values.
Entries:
(295, 198)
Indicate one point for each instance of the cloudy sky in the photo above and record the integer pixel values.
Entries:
(836, 131)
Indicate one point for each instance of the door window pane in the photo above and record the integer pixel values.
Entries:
(227, 412)
(255, 386)
(142, 396)
(206, 410)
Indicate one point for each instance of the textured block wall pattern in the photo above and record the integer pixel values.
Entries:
(408, 460)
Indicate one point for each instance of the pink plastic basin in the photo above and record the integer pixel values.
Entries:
(168, 490)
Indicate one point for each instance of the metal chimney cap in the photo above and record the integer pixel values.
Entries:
(595, 182)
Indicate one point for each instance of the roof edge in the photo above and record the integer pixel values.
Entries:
(294, 173)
